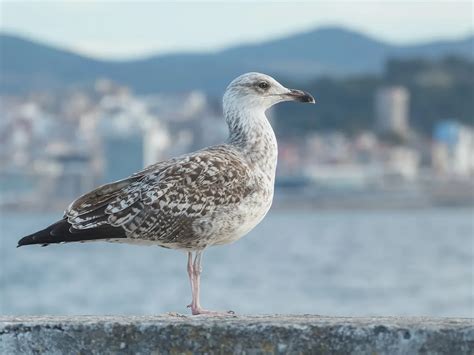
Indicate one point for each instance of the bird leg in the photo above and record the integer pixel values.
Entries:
(194, 273)
(191, 276)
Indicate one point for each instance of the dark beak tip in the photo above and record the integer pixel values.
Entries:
(303, 96)
(310, 100)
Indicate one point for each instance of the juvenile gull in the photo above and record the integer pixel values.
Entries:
(210, 197)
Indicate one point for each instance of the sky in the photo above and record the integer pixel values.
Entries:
(120, 30)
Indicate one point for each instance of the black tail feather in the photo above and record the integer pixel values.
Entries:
(62, 232)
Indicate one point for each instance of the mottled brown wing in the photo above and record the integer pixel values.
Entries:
(97, 198)
(88, 211)
(169, 201)
(161, 202)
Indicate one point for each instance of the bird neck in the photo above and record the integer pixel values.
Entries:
(251, 133)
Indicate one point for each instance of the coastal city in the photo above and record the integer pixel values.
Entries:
(56, 145)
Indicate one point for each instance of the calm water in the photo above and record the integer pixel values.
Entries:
(322, 262)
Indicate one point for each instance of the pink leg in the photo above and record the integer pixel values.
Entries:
(194, 272)
(191, 276)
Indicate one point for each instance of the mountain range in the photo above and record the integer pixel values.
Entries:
(27, 65)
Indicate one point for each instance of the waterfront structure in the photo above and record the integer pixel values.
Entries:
(392, 110)
(452, 151)
(156, 142)
(64, 172)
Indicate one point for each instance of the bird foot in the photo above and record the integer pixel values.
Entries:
(201, 311)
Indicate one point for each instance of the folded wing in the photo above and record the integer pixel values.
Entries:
(158, 204)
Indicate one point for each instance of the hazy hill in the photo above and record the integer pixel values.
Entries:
(27, 65)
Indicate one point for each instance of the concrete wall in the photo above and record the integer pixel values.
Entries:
(275, 334)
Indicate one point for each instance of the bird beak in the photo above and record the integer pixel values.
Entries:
(301, 96)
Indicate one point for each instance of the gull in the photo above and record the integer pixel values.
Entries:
(213, 196)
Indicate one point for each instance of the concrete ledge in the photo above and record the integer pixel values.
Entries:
(273, 334)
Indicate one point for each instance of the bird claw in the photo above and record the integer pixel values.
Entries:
(200, 311)
(205, 312)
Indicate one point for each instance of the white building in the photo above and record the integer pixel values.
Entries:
(392, 110)
(156, 142)
(452, 152)
(401, 162)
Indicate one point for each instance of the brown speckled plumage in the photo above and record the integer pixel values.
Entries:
(172, 203)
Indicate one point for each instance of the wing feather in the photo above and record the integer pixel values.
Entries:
(161, 202)
(97, 198)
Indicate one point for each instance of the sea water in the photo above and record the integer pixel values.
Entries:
(347, 263)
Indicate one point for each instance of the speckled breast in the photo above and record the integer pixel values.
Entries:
(230, 223)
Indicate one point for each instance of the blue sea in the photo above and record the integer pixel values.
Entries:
(345, 263)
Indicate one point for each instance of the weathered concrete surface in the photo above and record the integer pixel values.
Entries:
(275, 334)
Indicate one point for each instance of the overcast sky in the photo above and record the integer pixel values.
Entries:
(111, 29)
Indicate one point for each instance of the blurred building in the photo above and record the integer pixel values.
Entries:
(156, 142)
(123, 124)
(192, 122)
(138, 131)
(400, 164)
(392, 110)
(64, 172)
(453, 149)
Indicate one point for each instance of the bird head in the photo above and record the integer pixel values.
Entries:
(260, 91)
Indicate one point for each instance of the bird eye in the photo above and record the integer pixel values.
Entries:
(263, 85)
